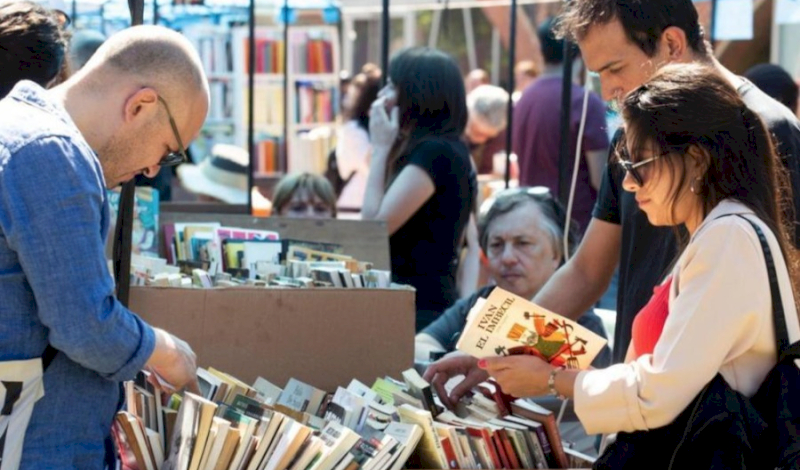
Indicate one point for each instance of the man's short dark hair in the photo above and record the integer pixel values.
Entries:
(552, 46)
(643, 21)
(32, 45)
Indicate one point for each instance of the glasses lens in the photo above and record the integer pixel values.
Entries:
(171, 160)
(628, 167)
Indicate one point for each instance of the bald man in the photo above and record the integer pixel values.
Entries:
(132, 109)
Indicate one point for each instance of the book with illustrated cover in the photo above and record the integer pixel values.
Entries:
(505, 324)
(145, 219)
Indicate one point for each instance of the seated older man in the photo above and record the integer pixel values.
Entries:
(521, 233)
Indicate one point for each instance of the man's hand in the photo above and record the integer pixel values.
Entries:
(174, 361)
(451, 366)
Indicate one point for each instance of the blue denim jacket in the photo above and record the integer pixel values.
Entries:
(55, 285)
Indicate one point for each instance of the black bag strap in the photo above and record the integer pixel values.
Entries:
(778, 315)
(48, 356)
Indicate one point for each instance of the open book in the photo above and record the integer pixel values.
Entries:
(505, 324)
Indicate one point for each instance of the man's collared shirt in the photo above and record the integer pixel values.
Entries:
(55, 285)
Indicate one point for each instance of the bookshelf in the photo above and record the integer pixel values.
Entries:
(313, 96)
(213, 44)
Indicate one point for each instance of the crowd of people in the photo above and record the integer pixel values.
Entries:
(666, 205)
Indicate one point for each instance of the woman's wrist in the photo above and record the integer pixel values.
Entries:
(380, 150)
(564, 382)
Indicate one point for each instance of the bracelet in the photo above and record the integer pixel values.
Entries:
(551, 383)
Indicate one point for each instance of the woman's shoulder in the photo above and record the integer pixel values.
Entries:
(732, 222)
(727, 240)
(440, 146)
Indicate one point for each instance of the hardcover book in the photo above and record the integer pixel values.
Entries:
(506, 324)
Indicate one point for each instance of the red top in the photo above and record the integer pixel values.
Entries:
(649, 322)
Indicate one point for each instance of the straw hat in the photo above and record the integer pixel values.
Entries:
(223, 175)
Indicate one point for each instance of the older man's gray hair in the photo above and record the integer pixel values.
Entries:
(489, 103)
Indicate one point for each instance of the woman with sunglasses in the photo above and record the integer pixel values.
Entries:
(421, 181)
(699, 160)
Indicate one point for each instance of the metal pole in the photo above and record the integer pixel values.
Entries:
(469, 35)
(496, 53)
(286, 85)
(123, 230)
(512, 52)
(74, 13)
(713, 26)
(436, 23)
(251, 76)
(564, 159)
(385, 31)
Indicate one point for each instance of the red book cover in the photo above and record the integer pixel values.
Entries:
(501, 450)
(449, 452)
(509, 448)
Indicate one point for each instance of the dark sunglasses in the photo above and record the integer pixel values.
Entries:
(631, 168)
(174, 158)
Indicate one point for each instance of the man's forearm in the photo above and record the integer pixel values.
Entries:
(571, 292)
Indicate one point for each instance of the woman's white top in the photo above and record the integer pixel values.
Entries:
(720, 320)
(352, 154)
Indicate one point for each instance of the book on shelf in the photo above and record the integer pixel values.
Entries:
(267, 104)
(315, 102)
(309, 150)
(268, 150)
(505, 324)
(269, 53)
(311, 53)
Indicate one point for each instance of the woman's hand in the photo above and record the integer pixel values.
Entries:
(519, 376)
(384, 125)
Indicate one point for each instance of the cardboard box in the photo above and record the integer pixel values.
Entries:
(324, 337)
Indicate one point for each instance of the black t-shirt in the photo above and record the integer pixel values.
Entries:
(424, 250)
(648, 252)
(447, 328)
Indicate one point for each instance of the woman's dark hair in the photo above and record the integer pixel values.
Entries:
(366, 84)
(554, 213)
(692, 105)
(32, 44)
(431, 100)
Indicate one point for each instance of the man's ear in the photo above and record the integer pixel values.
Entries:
(142, 103)
(673, 43)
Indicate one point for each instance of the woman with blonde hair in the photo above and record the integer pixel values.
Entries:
(304, 195)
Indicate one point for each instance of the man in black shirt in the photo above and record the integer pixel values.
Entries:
(625, 42)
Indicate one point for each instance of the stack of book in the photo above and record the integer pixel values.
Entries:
(309, 151)
(212, 255)
(232, 425)
(389, 426)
